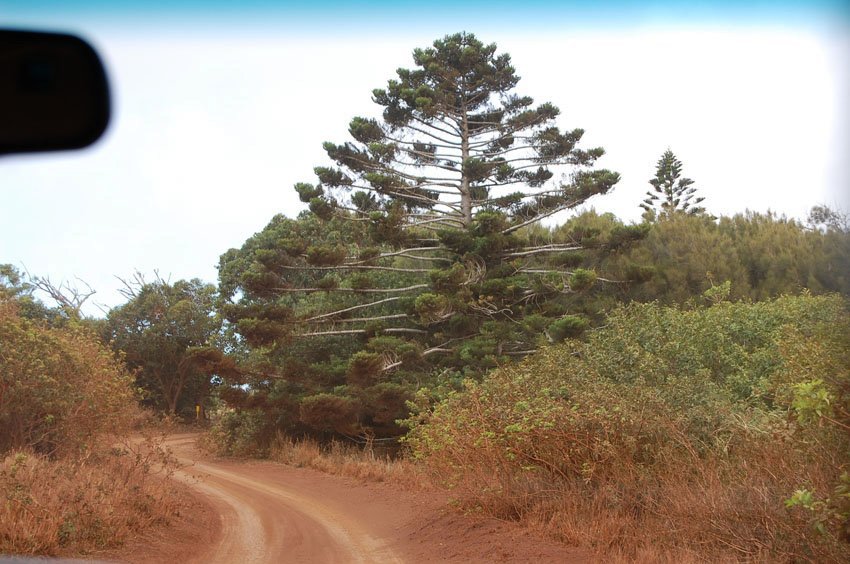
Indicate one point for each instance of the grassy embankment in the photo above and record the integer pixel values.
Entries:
(704, 434)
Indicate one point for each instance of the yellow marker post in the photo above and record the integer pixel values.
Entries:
(197, 412)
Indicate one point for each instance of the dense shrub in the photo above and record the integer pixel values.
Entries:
(720, 432)
(59, 387)
(245, 432)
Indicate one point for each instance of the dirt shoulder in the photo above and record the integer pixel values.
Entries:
(257, 511)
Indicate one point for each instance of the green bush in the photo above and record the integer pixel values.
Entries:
(244, 432)
(570, 326)
(729, 408)
(330, 413)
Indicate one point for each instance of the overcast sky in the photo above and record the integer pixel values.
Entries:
(218, 114)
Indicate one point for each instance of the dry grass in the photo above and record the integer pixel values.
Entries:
(67, 484)
(77, 505)
(716, 508)
(348, 460)
(715, 435)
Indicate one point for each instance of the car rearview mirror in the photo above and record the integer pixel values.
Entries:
(54, 93)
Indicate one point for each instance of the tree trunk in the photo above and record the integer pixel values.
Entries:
(465, 195)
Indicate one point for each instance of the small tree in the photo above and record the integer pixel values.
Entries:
(671, 193)
(165, 331)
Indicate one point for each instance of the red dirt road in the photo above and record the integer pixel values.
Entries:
(267, 519)
(269, 512)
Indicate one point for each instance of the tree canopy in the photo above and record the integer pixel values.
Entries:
(166, 333)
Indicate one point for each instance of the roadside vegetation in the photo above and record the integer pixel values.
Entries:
(71, 481)
(363, 462)
(711, 433)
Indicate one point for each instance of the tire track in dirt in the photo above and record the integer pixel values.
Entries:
(263, 520)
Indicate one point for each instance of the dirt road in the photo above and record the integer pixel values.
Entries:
(266, 520)
(269, 512)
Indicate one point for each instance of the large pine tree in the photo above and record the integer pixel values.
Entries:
(420, 242)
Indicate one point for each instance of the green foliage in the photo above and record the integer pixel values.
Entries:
(14, 287)
(448, 280)
(328, 412)
(329, 282)
(157, 329)
(761, 255)
(626, 235)
(244, 433)
(662, 396)
(780, 256)
(432, 308)
(717, 294)
(459, 242)
(384, 404)
(307, 192)
(812, 401)
(325, 255)
(364, 368)
(567, 260)
(569, 327)
(825, 514)
(582, 279)
(322, 208)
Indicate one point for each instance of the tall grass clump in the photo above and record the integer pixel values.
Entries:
(708, 434)
(243, 434)
(70, 481)
(363, 462)
(77, 505)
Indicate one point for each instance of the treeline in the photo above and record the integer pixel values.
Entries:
(186, 348)
(762, 255)
(336, 384)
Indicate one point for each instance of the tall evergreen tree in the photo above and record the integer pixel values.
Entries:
(671, 193)
(425, 252)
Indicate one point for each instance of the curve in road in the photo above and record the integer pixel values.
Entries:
(267, 521)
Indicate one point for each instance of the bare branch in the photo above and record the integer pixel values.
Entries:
(361, 332)
(537, 218)
(364, 319)
(354, 290)
(553, 248)
(356, 267)
(352, 308)
(70, 299)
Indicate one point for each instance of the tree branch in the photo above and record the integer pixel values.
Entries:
(354, 290)
(352, 308)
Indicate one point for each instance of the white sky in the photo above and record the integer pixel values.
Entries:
(210, 132)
